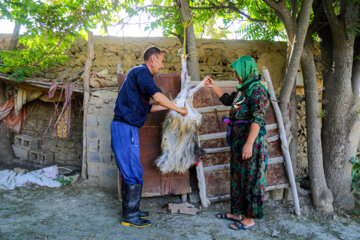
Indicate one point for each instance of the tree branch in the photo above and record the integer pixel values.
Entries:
(284, 14)
(294, 9)
(64, 36)
(230, 6)
(15, 37)
(331, 16)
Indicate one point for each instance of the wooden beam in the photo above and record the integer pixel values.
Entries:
(273, 138)
(217, 150)
(220, 135)
(219, 167)
(273, 187)
(284, 144)
(219, 198)
(217, 108)
(222, 84)
(275, 160)
(271, 126)
(227, 196)
(226, 166)
(87, 70)
(212, 136)
(36, 84)
(202, 185)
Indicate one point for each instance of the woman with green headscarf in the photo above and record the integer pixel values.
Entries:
(247, 138)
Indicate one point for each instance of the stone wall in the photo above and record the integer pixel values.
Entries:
(65, 151)
(215, 56)
(102, 169)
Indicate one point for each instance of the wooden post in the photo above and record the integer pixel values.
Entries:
(202, 185)
(87, 69)
(284, 144)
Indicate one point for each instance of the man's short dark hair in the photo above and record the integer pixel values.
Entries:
(151, 51)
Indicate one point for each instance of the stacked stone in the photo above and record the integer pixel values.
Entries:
(102, 168)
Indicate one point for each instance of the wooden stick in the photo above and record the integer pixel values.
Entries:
(202, 185)
(284, 144)
(87, 69)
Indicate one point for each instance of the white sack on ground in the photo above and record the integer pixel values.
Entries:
(180, 137)
(9, 180)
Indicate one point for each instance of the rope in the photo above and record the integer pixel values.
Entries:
(186, 25)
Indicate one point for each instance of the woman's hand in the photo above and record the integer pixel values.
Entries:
(209, 82)
(247, 151)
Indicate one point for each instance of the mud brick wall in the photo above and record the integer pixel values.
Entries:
(102, 169)
(66, 151)
(215, 56)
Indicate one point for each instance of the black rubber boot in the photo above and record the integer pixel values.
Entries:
(131, 194)
(141, 214)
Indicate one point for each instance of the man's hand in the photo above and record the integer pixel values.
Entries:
(247, 151)
(183, 111)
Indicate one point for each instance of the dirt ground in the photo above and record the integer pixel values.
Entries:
(82, 212)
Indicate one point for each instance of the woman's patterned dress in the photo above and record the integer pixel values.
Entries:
(247, 177)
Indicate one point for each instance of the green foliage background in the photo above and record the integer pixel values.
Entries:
(50, 27)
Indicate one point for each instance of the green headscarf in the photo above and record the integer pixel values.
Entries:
(248, 73)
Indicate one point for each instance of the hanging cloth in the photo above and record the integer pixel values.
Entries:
(7, 114)
(62, 124)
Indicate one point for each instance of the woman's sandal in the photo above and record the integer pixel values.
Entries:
(225, 217)
(240, 226)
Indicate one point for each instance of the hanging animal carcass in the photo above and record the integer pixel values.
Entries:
(180, 138)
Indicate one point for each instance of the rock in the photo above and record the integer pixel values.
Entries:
(274, 233)
(184, 208)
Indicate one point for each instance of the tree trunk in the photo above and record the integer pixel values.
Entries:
(356, 68)
(291, 71)
(293, 144)
(15, 37)
(296, 32)
(321, 195)
(6, 153)
(192, 61)
(341, 122)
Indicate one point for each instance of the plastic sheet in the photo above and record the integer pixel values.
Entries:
(9, 180)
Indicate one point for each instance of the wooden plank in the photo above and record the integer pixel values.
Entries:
(224, 84)
(35, 83)
(217, 150)
(284, 185)
(275, 160)
(226, 166)
(273, 138)
(284, 144)
(271, 126)
(217, 108)
(227, 196)
(212, 136)
(219, 198)
(220, 135)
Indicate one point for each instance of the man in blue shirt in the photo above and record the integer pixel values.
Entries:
(131, 109)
